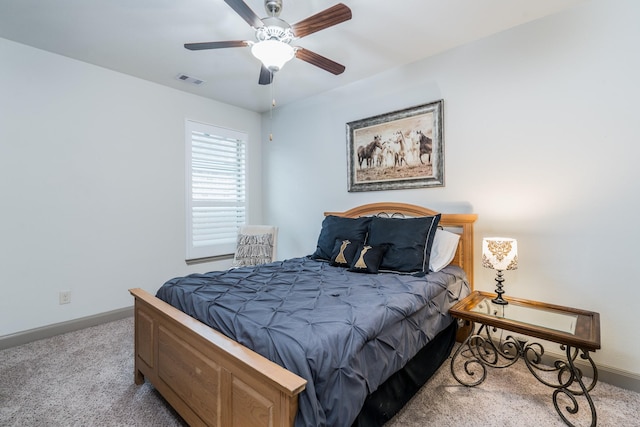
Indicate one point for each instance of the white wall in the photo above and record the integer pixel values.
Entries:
(92, 185)
(541, 141)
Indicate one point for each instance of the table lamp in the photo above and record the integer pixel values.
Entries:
(499, 253)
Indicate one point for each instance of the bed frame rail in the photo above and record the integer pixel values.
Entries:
(207, 378)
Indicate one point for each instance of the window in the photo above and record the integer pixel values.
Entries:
(215, 189)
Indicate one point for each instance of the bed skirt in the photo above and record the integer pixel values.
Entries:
(381, 405)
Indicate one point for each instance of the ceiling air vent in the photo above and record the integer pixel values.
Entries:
(189, 79)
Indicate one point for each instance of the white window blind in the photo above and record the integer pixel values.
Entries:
(216, 189)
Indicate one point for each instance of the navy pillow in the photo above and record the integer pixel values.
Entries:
(344, 251)
(336, 227)
(368, 258)
(409, 240)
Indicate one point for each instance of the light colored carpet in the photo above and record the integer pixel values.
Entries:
(85, 378)
(82, 378)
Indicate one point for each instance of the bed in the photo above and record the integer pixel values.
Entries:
(211, 379)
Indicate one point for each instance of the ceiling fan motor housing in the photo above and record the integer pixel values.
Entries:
(275, 29)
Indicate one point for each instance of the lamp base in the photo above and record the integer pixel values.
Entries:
(498, 299)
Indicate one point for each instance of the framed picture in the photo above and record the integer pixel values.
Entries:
(398, 150)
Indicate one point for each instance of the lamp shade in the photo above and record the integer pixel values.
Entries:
(272, 53)
(500, 253)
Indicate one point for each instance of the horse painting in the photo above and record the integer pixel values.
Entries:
(397, 150)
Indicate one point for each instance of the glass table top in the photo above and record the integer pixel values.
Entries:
(537, 316)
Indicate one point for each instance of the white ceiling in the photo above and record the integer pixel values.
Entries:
(144, 38)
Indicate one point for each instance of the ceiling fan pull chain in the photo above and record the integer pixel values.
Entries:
(273, 105)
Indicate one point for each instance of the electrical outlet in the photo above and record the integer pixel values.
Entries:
(64, 297)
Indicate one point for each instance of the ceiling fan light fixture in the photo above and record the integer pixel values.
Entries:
(273, 53)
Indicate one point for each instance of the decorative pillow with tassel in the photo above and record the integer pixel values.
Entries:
(344, 250)
(368, 259)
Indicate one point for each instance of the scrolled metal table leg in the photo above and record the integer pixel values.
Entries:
(472, 361)
(575, 375)
(481, 352)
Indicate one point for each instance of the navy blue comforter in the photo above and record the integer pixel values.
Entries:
(344, 332)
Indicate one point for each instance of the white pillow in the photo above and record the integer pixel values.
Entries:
(443, 249)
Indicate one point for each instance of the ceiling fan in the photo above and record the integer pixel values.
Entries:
(274, 36)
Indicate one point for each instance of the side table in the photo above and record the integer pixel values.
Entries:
(577, 331)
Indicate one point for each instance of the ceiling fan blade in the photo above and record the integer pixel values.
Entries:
(245, 12)
(325, 19)
(319, 61)
(266, 76)
(216, 45)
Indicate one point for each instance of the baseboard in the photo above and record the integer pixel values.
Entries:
(606, 374)
(49, 331)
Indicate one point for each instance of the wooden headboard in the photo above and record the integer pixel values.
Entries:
(457, 223)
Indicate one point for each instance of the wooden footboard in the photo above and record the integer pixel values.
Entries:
(206, 377)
